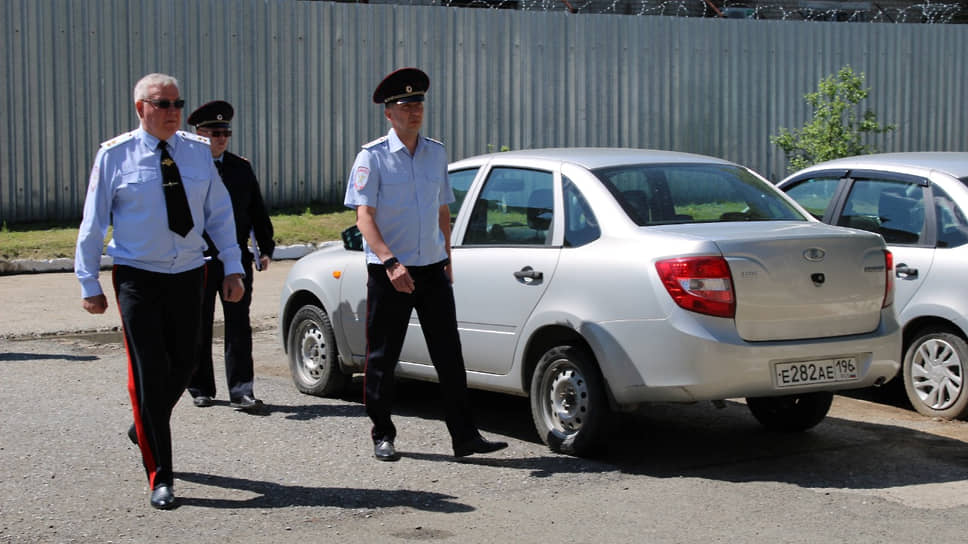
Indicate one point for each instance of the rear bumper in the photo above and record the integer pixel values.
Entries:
(702, 358)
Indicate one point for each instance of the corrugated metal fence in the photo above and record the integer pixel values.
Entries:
(300, 75)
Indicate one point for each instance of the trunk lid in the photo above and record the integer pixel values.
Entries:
(802, 280)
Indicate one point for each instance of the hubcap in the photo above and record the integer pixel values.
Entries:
(566, 397)
(313, 351)
(937, 374)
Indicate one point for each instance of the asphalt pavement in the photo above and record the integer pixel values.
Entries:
(50, 303)
(303, 471)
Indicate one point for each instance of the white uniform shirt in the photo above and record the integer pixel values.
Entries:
(125, 191)
(407, 193)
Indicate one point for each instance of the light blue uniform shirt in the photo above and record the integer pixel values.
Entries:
(407, 193)
(125, 191)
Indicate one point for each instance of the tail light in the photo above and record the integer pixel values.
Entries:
(889, 279)
(699, 284)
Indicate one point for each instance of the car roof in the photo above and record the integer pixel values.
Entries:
(954, 163)
(596, 157)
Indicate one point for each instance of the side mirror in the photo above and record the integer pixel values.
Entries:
(352, 239)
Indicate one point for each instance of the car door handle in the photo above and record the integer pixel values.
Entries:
(528, 273)
(904, 271)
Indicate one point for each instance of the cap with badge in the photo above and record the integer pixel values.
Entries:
(402, 86)
(214, 114)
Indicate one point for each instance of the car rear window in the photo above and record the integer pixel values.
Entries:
(661, 194)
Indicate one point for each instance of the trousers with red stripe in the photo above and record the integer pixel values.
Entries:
(160, 315)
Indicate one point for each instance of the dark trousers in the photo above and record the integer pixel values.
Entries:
(160, 315)
(238, 336)
(387, 317)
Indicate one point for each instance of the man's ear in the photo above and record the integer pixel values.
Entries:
(139, 107)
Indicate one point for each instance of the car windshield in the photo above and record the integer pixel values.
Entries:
(662, 194)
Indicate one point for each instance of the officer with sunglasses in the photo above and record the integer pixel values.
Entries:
(213, 120)
(399, 188)
(159, 190)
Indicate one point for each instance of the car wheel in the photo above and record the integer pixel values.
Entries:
(568, 401)
(934, 371)
(312, 353)
(791, 413)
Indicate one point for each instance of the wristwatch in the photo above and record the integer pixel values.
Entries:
(391, 262)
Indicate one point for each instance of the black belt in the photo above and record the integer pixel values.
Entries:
(420, 269)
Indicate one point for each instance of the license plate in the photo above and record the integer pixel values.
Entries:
(809, 372)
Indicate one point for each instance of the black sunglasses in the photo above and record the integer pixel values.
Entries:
(219, 133)
(164, 104)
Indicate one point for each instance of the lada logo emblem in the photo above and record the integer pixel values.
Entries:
(814, 254)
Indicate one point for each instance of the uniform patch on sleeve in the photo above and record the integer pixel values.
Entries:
(95, 174)
(359, 178)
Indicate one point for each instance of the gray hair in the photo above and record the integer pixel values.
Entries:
(152, 80)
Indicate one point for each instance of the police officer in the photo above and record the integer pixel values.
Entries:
(399, 188)
(158, 188)
(213, 120)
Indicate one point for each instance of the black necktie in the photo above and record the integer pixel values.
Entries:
(179, 214)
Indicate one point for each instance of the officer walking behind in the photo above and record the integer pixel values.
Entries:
(399, 188)
(212, 120)
(158, 188)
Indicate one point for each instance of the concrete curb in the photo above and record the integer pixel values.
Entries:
(30, 266)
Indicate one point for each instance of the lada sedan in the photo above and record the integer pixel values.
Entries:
(918, 203)
(599, 280)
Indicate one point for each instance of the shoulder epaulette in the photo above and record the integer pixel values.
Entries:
(193, 136)
(438, 142)
(378, 141)
(118, 139)
(240, 157)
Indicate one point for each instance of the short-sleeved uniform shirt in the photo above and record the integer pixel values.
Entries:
(407, 193)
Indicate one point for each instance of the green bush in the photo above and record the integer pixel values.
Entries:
(837, 128)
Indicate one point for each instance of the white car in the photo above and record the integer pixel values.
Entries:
(918, 203)
(593, 280)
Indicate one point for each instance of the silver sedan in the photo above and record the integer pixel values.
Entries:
(919, 203)
(598, 280)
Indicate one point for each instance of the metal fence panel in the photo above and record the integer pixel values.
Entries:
(300, 75)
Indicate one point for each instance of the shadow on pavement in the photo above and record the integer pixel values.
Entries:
(22, 357)
(275, 495)
(728, 444)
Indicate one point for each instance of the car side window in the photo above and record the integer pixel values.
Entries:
(893, 209)
(515, 207)
(581, 226)
(952, 225)
(460, 183)
(815, 194)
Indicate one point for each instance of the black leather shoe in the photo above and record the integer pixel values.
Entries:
(133, 434)
(202, 401)
(478, 445)
(384, 451)
(246, 403)
(162, 497)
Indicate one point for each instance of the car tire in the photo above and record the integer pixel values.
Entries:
(791, 413)
(568, 402)
(313, 358)
(934, 369)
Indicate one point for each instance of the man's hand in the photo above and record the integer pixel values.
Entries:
(264, 262)
(232, 288)
(400, 278)
(96, 304)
